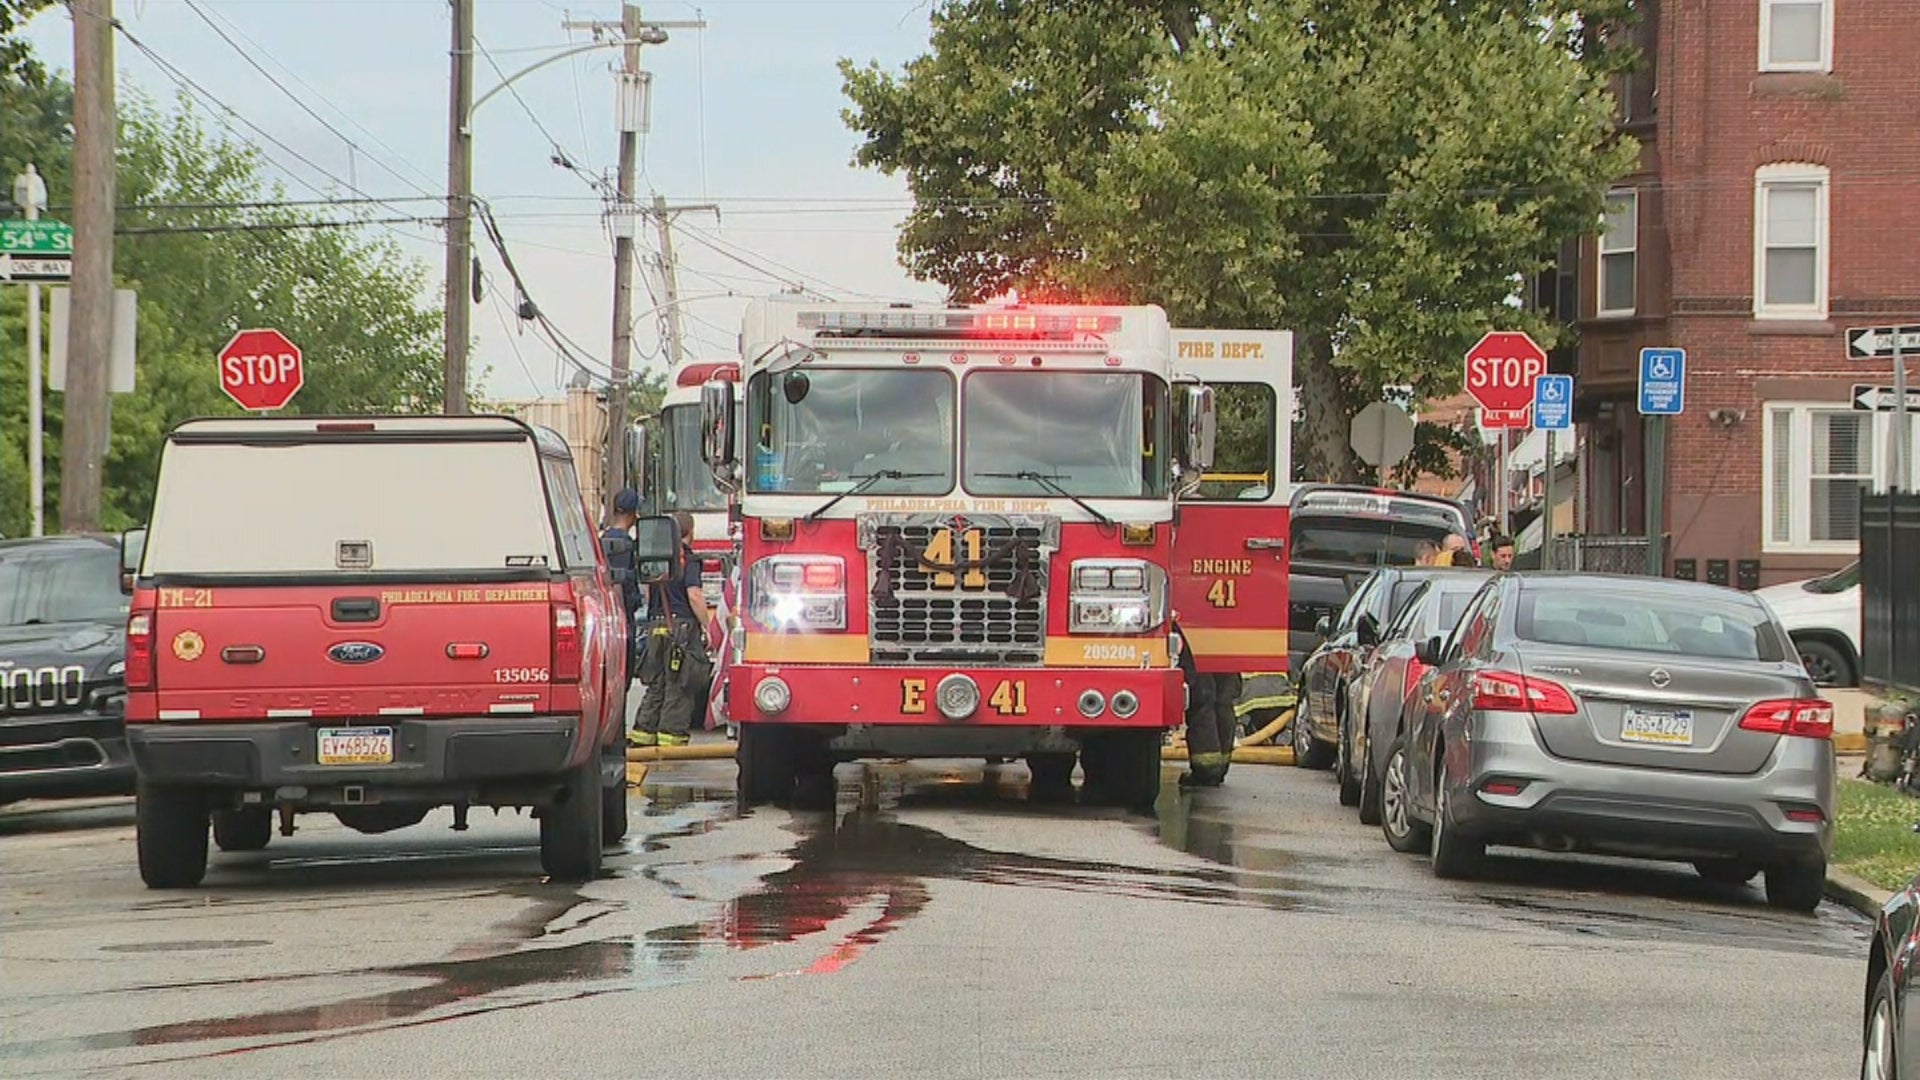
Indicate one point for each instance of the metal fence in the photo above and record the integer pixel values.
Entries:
(1890, 590)
(1596, 555)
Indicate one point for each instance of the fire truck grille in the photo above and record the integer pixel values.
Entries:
(986, 615)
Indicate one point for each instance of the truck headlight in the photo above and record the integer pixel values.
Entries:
(799, 593)
(1116, 596)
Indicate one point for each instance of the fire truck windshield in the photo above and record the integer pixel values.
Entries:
(1093, 434)
(822, 430)
(689, 483)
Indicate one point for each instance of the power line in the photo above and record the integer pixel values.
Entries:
(560, 155)
(271, 226)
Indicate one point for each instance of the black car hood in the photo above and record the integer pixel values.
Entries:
(92, 645)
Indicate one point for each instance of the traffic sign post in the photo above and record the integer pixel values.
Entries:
(1894, 342)
(1663, 393)
(1552, 412)
(261, 370)
(1501, 369)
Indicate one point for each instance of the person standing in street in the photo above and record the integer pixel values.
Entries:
(1211, 722)
(617, 542)
(1502, 549)
(674, 665)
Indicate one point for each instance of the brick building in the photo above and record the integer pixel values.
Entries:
(1776, 205)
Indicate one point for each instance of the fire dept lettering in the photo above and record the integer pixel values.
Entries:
(492, 595)
(1235, 567)
(1222, 350)
(976, 506)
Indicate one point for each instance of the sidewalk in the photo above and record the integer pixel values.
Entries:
(1849, 718)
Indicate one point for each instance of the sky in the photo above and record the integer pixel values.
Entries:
(745, 114)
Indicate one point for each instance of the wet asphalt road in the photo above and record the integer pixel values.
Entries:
(935, 924)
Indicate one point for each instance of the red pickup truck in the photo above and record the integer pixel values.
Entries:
(373, 617)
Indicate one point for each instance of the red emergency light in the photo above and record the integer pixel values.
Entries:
(698, 374)
(1013, 325)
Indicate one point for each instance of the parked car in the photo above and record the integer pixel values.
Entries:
(1346, 641)
(1379, 696)
(1340, 533)
(1890, 984)
(401, 613)
(1618, 715)
(63, 625)
(1822, 615)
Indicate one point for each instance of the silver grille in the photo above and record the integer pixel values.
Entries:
(914, 617)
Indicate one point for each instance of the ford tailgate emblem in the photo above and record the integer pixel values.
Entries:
(355, 652)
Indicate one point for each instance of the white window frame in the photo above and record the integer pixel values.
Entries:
(1799, 415)
(1631, 251)
(1792, 174)
(1824, 64)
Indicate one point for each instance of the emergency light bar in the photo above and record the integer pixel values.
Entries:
(968, 324)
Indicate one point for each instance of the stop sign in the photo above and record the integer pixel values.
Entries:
(1501, 370)
(261, 370)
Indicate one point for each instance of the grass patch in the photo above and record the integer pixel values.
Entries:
(1874, 835)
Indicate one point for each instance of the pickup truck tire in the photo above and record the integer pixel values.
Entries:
(246, 829)
(171, 826)
(766, 766)
(613, 807)
(570, 829)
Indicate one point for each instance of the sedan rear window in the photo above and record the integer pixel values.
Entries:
(1690, 625)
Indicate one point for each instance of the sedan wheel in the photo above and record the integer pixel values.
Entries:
(1403, 833)
(1309, 752)
(1454, 855)
(1343, 769)
(1881, 1057)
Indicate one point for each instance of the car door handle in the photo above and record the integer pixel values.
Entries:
(1264, 543)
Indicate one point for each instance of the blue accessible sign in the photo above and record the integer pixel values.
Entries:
(1663, 382)
(1553, 403)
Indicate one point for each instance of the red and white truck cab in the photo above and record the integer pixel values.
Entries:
(667, 467)
(957, 537)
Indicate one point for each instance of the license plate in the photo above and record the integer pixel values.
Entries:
(1657, 727)
(356, 746)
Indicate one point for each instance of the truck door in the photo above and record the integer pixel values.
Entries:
(1230, 542)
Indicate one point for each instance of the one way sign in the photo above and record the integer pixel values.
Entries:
(1870, 398)
(1874, 342)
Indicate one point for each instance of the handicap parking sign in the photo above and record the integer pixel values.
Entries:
(1553, 403)
(1663, 382)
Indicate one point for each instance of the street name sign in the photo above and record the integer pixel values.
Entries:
(1501, 369)
(1874, 342)
(261, 370)
(1553, 403)
(41, 236)
(1663, 382)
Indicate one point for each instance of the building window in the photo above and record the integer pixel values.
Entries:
(1817, 460)
(1619, 245)
(1790, 242)
(1796, 35)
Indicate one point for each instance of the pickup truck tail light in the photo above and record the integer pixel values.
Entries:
(139, 662)
(566, 638)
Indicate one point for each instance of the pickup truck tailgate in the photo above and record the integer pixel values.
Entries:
(352, 651)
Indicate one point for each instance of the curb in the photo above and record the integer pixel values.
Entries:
(1849, 742)
(1857, 893)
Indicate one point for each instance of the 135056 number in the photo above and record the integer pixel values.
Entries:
(520, 675)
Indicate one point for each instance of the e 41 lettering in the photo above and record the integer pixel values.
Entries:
(1009, 698)
(1224, 593)
(913, 696)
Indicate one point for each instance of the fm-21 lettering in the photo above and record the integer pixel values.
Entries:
(1223, 566)
(186, 598)
(1222, 350)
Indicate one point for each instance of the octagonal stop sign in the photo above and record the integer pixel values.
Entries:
(261, 370)
(1501, 370)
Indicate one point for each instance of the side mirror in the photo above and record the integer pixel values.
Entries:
(1428, 652)
(636, 453)
(656, 544)
(1323, 627)
(133, 546)
(1197, 426)
(716, 422)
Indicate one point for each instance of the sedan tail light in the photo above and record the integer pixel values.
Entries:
(1415, 672)
(1806, 718)
(1505, 691)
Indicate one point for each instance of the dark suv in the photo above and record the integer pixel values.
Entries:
(63, 625)
(1340, 534)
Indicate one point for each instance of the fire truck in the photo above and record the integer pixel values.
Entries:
(665, 463)
(958, 535)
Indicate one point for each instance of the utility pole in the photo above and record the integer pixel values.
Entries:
(459, 211)
(85, 429)
(32, 193)
(663, 216)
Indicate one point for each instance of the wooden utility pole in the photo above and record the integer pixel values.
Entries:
(459, 211)
(630, 129)
(85, 428)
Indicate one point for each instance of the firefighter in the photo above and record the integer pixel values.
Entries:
(1211, 722)
(674, 665)
(617, 541)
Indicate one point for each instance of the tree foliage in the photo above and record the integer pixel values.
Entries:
(17, 62)
(346, 296)
(1375, 175)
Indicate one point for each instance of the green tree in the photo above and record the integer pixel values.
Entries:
(1376, 175)
(17, 62)
(347, 296)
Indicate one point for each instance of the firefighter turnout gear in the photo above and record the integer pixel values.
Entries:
(1211, 723)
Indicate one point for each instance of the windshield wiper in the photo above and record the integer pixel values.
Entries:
(1047, 482)
(866, 482)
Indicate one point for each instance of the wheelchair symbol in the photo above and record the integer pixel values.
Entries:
(1660, 368)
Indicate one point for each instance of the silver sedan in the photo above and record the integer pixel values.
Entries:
(1616, 715)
